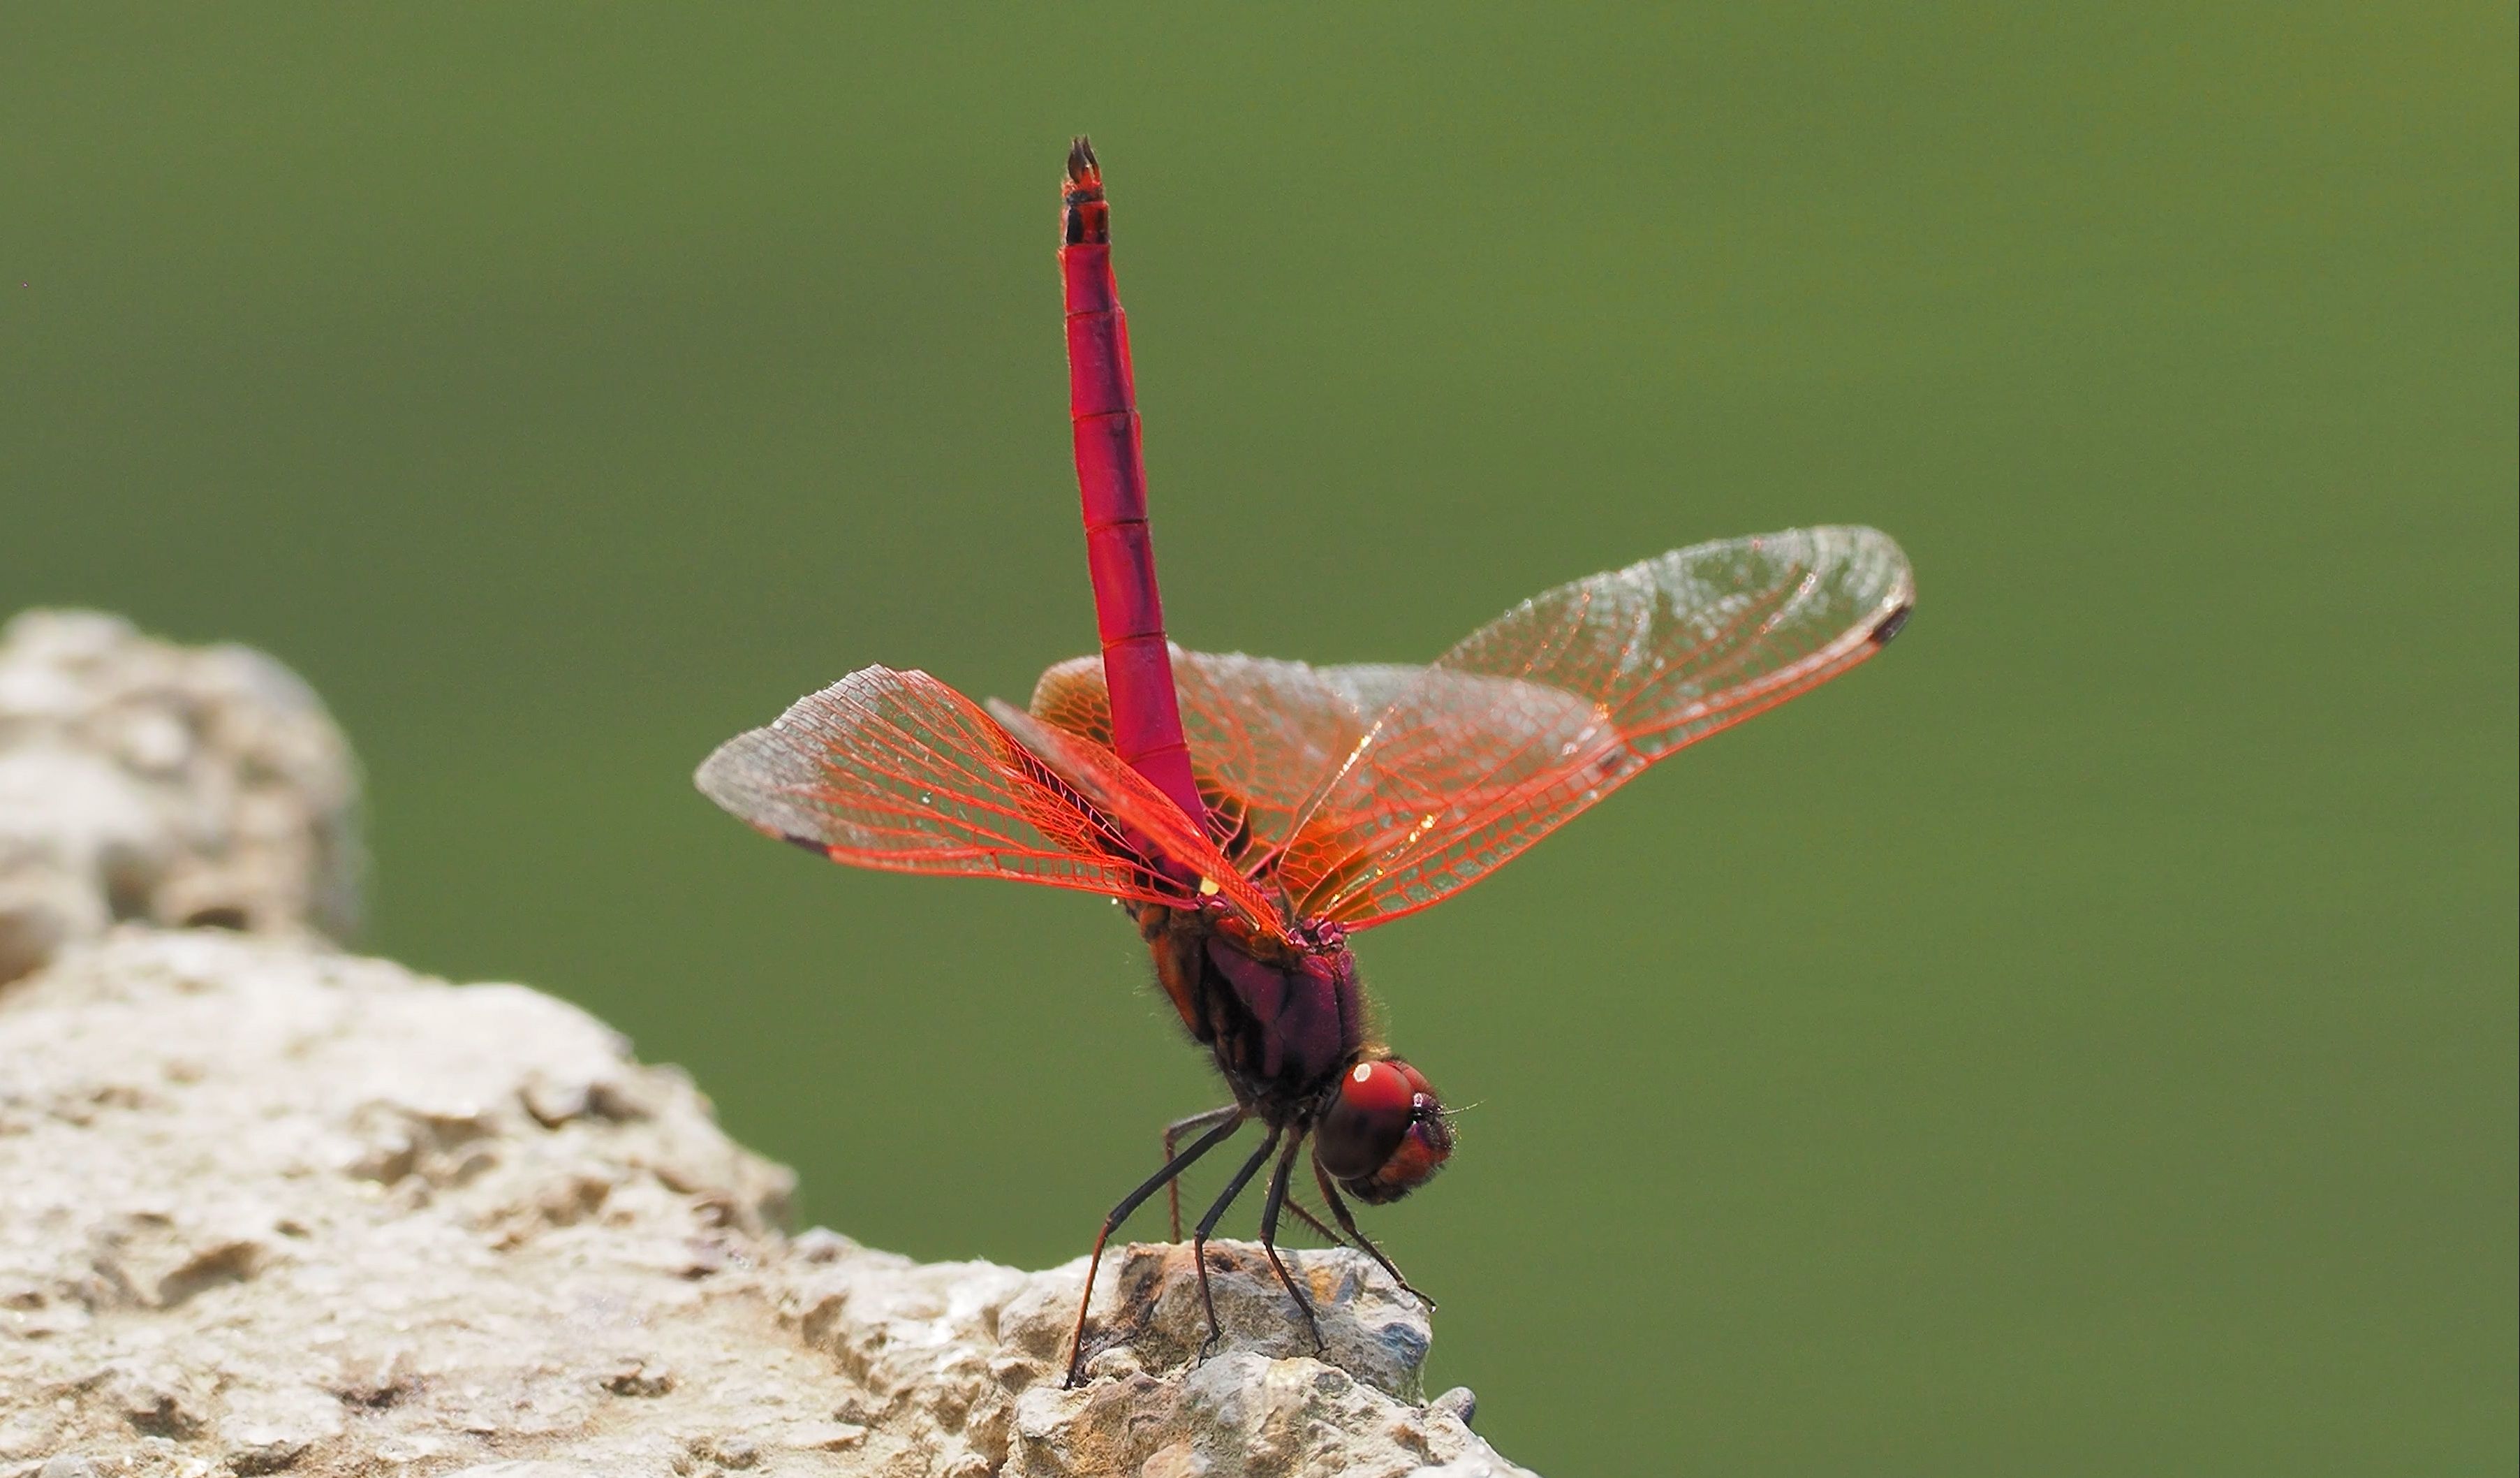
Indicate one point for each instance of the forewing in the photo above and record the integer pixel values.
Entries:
(1560, 701)
(1263, 734)
(895, 771)
(1147, 818)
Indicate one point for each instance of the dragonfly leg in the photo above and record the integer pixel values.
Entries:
(1339, 1209)
(1120, 1213)
(1207, 1224)
(1172, 1133)
(1268, 1240)
(1317, 1224)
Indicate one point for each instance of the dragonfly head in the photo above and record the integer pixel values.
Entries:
(1384, 1132)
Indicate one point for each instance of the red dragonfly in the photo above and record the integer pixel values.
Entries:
(1252, 814)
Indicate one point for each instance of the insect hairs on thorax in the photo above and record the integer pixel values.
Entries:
(1283, 1025)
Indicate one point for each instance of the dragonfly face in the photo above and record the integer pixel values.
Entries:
(1383, 1134)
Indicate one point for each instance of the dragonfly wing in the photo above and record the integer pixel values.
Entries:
(898, 771)
(1147, 818)
(1554, 705)
(1264, 734)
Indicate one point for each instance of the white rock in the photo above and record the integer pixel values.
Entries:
(269, 1208)
(275, 1209)
(142, 780)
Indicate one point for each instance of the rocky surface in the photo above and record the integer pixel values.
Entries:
(270, 1208)
(267, 1208)
(142, 780)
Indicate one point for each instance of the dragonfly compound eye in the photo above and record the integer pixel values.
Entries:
(1384, 1133)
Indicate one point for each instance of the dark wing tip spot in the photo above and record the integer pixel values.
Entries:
(818, 848)
(1891, 626)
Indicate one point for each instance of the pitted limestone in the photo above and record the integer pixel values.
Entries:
(143, 780)
(269, 1208)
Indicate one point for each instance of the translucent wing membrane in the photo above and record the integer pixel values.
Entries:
(1363, 793)
(897, 771)
(1147, 818)
(1556, 703)
(1262, 733)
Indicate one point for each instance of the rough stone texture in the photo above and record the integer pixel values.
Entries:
(269, 1208)
(141, 780)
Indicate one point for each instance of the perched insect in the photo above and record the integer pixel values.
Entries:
(1252, 814)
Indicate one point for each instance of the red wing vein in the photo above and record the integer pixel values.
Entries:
(1539, 713)
(895, 771)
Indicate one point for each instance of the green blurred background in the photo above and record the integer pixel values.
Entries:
(2082, 1041)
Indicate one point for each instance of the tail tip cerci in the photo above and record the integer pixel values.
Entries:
(1084, 170)
(1083, 217)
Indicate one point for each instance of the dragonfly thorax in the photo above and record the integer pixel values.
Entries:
(1290, 1032)
(1283, 1023)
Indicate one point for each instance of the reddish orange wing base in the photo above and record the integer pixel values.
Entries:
(895, 771)
(1263, 733)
